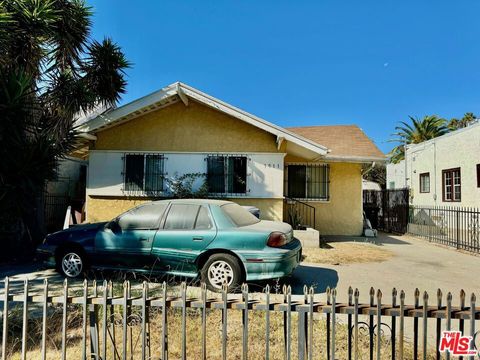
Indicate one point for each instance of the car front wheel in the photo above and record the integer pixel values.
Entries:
(72, 264)
(222, 269)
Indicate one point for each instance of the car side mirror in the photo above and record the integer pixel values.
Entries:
(113, 226)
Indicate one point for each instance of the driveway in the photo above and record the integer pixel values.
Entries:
(416, 263)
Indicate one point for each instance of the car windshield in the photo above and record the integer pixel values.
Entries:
(239, 215)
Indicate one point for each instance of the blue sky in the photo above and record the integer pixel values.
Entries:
(299, 63)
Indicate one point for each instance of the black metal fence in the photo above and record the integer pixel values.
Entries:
(299, 214)
(141, 323)
(458, 227)
(55, 208)
(387, 210)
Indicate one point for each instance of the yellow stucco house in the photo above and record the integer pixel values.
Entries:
(134, 149)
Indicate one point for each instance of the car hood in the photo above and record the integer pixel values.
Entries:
(82, 227)
(272, 226)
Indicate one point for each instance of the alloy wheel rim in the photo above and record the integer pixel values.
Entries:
(219, 273)
(72, 264)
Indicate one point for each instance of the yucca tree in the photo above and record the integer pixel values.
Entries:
(416, 132)
(50, 71)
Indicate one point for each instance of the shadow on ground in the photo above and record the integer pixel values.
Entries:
(318, 277)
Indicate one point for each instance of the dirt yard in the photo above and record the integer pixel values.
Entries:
(340, 253)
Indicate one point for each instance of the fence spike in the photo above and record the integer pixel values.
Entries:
(402, 324)
(104, 319)
(84, 315)
(439, 298)
(267, 322)
(473, 300)
(334, 305)
(245, 321)
(356, 296)
(25, 320)
(164, 322)
(379, 323)
(125, 320)
(224, 321)
(203, 288)
(425, 324)
(183, 293)
(6, 292)
(462, 299)
(394, 297)
(311, 293)
(64, 319)
(288, 327)
(44, 323)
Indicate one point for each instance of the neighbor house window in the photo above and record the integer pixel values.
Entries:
(425, 183)
(478, 175)
(144, 174)
(227, 174)
(308, 182)
(452, 188)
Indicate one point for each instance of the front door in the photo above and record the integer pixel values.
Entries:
(127, 242)
(187, 231)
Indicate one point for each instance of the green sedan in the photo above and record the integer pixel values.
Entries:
(218, 241)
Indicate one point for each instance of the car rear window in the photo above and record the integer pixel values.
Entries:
(181, 217)
(203, 220)
(239, 215)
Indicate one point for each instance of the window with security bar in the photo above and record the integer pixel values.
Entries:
(227, 174)
(309, 182)
(144, 174)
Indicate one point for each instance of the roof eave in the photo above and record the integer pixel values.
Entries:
(155, 100)
(355, 159)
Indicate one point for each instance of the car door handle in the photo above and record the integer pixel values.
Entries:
(144, 239)
(197, 238)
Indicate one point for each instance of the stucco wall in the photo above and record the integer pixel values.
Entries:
(106, 208)
(396, 175)
(342, 214)
(193, 128)
(459, 149)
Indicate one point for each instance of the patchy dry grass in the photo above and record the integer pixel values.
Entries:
(337, 253)
(256, 339)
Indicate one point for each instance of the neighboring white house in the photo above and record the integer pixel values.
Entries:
(396, 175)
(441, 171)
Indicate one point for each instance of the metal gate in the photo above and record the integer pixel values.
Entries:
(387, 210)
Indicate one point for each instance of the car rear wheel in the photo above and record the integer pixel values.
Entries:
(72, 263)
(222, 269)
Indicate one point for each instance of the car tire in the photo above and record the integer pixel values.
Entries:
(72, 263)
(221, 268)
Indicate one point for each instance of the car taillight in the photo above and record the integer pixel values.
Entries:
(277, 239)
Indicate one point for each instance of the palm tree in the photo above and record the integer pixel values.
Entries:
(418, 131)
(467, 120)
(50, 71)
